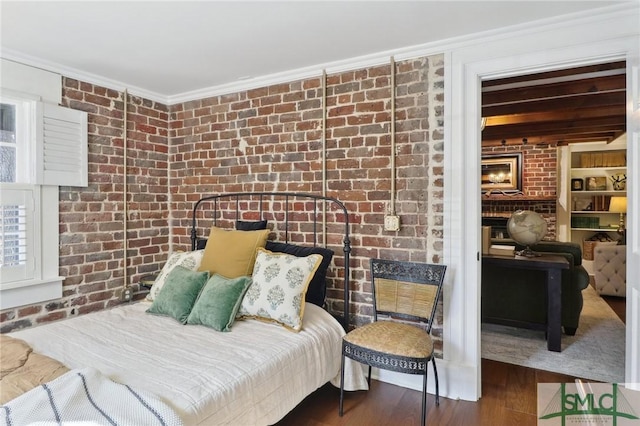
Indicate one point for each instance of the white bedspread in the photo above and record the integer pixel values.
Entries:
(253, 375)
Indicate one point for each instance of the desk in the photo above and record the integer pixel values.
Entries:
(553, 265)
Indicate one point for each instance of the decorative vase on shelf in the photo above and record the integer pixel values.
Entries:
(619, 181)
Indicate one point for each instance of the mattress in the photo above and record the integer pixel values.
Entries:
(253, 375)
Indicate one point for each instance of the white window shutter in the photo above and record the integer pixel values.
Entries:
(61, 146)
(17, 227)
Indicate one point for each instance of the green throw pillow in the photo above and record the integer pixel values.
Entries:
(179, 293)
(219, 302)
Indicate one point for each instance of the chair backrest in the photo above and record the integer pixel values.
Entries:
(406, 290)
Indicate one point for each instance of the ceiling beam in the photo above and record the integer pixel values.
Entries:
(559, 139)
(568, 114)
(581, 101)
(557, 90)
(583, 104)
(553, 127)
(530, 79)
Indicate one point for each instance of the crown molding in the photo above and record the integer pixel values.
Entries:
(415, 51)
(427, 49)
(98, 80)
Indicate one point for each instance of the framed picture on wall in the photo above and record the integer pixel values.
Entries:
(502, 172)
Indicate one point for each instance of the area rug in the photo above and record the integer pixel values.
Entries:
(596, 352)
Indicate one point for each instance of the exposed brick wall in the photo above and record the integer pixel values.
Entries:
(91, 219)
(539, 180)
(264, 139)
(269, 139)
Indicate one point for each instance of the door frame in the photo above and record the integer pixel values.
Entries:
(559, 47)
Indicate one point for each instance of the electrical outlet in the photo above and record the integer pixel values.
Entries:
(391, 223)
(127, 295)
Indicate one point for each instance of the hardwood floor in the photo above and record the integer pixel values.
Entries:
(619, 306)
(508, 398)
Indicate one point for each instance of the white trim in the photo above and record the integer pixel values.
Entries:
(69, 72)
(460, 347)
(449, 376)
(416, 51)
(23, 293)
(46, 284)
(588, 17)
(632, 354)
(29, 82)
(50, 225)
(616, 37)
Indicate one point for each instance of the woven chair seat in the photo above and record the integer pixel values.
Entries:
(407, 291)
(392, 338)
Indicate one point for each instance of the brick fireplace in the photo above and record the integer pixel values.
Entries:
(539, 186)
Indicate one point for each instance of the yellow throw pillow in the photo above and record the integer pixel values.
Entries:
(232, 253)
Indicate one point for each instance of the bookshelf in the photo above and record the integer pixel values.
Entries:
(596, 173)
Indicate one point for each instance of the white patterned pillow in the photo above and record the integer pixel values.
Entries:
(190, 260)
(279, 284)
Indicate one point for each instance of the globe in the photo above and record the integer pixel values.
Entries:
(527, 228)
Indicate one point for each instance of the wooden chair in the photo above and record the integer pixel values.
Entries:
(407, 294)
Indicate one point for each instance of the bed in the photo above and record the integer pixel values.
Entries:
(251, 373)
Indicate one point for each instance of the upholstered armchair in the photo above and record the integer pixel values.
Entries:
(610, 270)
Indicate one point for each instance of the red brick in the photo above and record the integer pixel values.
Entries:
(30, 310)
(262, 139)
(53, 316)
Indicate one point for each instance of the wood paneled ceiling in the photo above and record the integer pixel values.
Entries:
(584, 104)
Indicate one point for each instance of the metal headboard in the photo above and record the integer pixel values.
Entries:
(261, 198)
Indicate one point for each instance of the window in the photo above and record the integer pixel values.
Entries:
(12, 216)
(16, 234)
(17, 199)
(8, 144)
(41, 146)
(14, 134)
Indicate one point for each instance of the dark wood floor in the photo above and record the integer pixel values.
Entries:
(619, 306)
(508, 398)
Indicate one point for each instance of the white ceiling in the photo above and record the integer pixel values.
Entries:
(168, 50)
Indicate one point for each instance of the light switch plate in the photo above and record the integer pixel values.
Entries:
(391, 223)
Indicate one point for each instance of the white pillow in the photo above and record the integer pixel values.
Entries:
(190, 260)
(279, 284)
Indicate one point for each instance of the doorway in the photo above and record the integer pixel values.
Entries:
(535, 116)
(509, 57)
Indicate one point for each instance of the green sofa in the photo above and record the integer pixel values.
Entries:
(518, 297)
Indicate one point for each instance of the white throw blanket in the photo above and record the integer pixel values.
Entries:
(85, 396)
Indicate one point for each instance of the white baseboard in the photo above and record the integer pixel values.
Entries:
(450, 378)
